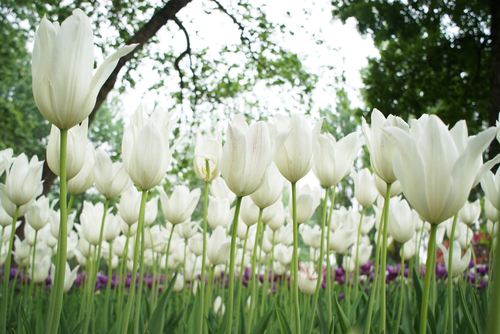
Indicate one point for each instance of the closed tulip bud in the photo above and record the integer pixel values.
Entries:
(409, 250)
(29, 234)
(130, 205)
(308, 199)
(437, 172)
(218, 246)
(219, 306)
(111, 179)
(64, 87)
(245, 156)
(249, 212)
(5, 218)
(6, 159)
(69, 277)
(219, 189)
(311, 236)
(219, 212)
(41, 270)
(151, 211)
(380, 146)
(111, 227)
(22, 249)
(401, 223)
(492, 228)
(91, 220)
(85, 178)
(39, 214)
(54, 222)
(187, 229)
(470, 212)
(271, 189)
(382, 187)
(195, 244)
(75, 153)
(364, 187)
(284, 254)
(179, 283)
(294, 157)
(23, 181)
(489, 210)
(180, 205)
(460, 263)
(145, 148)
(211, 151)
(332, 160)
(274, 215)
(307, 282)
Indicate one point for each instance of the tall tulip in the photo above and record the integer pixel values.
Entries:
(64, 86)
(180, 205)
(111, 179)
(209, 150)
(436, 173)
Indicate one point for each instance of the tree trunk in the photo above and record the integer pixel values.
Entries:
(141, 37)
(494, 102)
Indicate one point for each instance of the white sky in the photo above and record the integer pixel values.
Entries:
(343, 49)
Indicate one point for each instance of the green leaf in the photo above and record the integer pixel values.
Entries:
(261, 325)
(354, 306)
(418, 291)
(193, 323)
(155, 321)
(345, 326)
(465, 309)
(322, 322)
(284, 327)
(26, 323)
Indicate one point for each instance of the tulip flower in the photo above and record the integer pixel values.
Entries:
(308, 199)
(23, 180)
(111, 179)
(460, 263)
(245, 156)
(489, 210)
(382, 187)
(75, 152)
(130, 205)
(145, 147)
(41, 270)
(364, 187)
(274, 215)
(187, 229)
(294, 157)
(435, 174)
(470, 212)
(219, 189)
(307, 282)
(218, 246)
(219, 306)
(219, 212)
(401, 222)
(64, 87)
(180, 205)
(271, 189)
(249, 212)
(210, 150)
(39, 214)
(311, 236)
(69, 277)
(332, 160)
(381, 148)
(85, 178)
(5, 159)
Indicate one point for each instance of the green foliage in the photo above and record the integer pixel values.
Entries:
(435, 57)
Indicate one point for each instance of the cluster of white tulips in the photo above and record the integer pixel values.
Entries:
(423, 173)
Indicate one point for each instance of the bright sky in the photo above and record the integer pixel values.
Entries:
(343, 51)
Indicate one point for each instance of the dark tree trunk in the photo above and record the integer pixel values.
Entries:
(494, 102)
(141, 37)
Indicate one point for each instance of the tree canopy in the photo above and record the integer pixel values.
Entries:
(435, 57)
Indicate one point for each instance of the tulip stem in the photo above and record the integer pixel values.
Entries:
(296, 259)
(401, 281)
(494, 319)
(54, 316)
(166, 272)
(108, 290)
(6, 274)
(32, 283)
(231, 265)
(357, 255)
(208, 290)
(328, 273)
(254, 283)
(203, 259)
(123, 276)
(142, 214)
(320, 262)
(384, 259)
(450, 277)
(128, 306)
(431, 254)
(240, 281)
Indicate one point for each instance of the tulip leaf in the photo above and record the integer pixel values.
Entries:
(418, 291)
(26, 323)
(284, 327)
(332, 326)
(354, 306)
(361, 323)
(345, 326)
(478, 311)
(193, 323)
(465, 309)
(321, 318)
(156, 319)
(261, 325)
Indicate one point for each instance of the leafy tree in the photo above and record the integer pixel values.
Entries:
(437, 57)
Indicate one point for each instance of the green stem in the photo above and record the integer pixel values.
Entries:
(493, 318)
(91, 286)
(208, 290)
(203, 259)
(357, 255)
(254, 283)
(402, 277)
(166, 272)
(320, 261)
(6, 274)
(70, 202)
(266, 277)
(296, 259)
(431, 254)
(384, 260)
(123, 276)
(240, 282)
(450, 278)
(328, 270)
(108, 290)
(53, 321)
(128, 306)
(32, 283)
(231, 265)
(142, 213)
